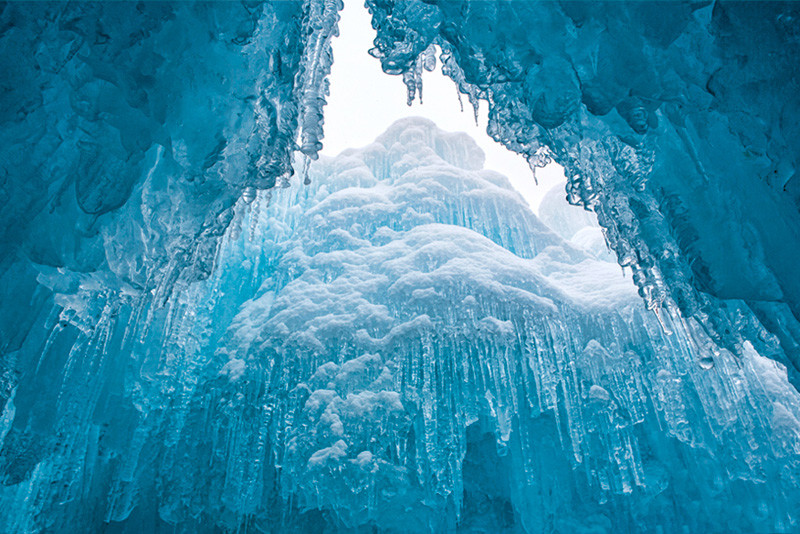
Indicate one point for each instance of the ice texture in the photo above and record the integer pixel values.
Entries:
(400, 346)
(677, 123)
(129, 132)
(391, 341)
(130, 129)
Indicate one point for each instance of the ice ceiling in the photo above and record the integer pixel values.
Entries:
(205, 327)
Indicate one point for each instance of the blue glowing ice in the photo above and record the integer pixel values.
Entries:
(401, 345)
(196, 338)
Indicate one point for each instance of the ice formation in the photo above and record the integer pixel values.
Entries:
(140, 124)
(400, 344)
(676, 123)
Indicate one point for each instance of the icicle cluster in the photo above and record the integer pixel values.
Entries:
(642, 106)
(401, 345)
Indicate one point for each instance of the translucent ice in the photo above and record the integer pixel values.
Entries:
(400, 346)
(140, 124)
(676, 123)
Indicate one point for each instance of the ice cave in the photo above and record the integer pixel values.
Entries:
(211, 324)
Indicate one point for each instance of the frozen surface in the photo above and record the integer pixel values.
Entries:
(400, 346)
(130, 129)
(675, 122)
(390, 340)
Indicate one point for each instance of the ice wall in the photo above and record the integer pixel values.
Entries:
(130, 129)
(400, 346)
(676, 123)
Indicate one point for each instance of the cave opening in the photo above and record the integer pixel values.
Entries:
(214, 318)
(364, 102)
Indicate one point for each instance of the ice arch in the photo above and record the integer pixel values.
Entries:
(185, 347)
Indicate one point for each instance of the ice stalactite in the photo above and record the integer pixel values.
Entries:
(400, 346)
(321, 22)
(642, 105)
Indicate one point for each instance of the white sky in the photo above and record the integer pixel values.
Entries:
(364, 101)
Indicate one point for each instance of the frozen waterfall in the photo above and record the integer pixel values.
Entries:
(206, 326)
(401, 345)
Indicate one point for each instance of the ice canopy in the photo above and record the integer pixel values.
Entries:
(205, 327)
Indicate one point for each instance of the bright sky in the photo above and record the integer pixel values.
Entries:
(364, 101)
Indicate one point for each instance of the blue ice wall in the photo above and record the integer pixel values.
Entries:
(676, 123)
(400, 346)
(130, 129)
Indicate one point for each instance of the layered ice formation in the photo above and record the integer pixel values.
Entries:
(401, 346)
(675, 122)
(205, 328)
(130, 129)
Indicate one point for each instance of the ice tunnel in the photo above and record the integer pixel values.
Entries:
(208, 327)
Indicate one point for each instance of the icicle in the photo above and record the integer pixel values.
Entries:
(429, 58)
(254, 219)
(322, 25)
(664, 327)
(413, 78)
(532, 166)
(411, 86)
(451, 69)
(460, 101)
(418, 76)
(475, 105)
(306, 168)
(59, 323)
(249, 195)
(425, 62)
